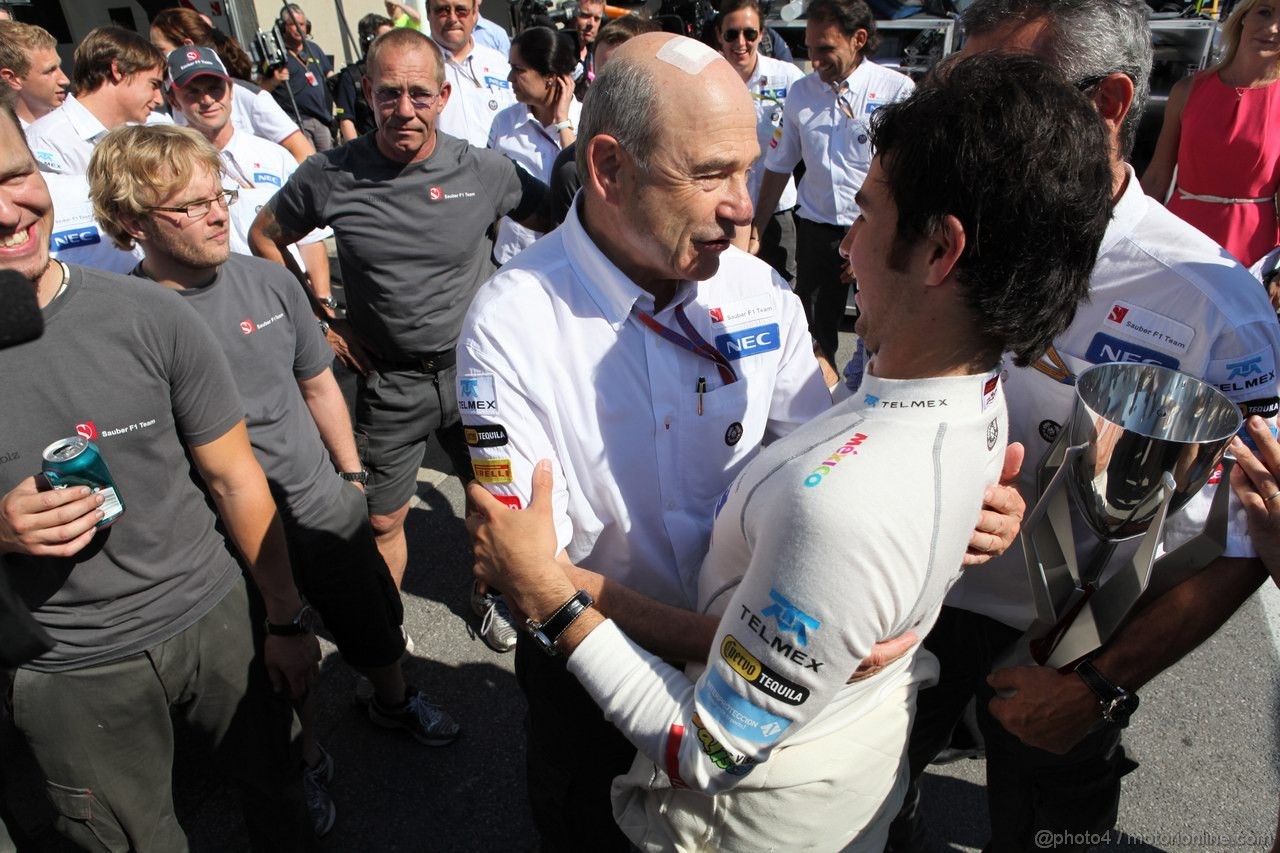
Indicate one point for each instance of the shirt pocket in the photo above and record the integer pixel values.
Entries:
(713, 444)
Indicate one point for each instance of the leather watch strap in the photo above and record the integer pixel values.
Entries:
(547, 633)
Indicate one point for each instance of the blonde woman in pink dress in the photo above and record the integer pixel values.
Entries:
(1218, 133)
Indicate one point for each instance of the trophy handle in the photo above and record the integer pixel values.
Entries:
(1047, 540)
(1174, 567)
(1110, 602)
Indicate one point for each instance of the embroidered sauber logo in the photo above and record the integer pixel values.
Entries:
(436, 193)
(246, 326)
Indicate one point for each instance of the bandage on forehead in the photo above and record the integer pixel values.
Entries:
(688, 55)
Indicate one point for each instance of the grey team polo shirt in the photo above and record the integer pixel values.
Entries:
(260, 317)
(128, 365)
(411, 238)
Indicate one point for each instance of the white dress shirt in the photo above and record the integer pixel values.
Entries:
(553, 363)
(258, 169)
(480, 90)
(534, 148)
(63, 140)
(1161, 293)
(770, 82)
(833, 141)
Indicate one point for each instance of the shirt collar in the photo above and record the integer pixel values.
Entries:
(934, 398)
(448, 54)
(1128, 211)
(614, 293)
(85, 123)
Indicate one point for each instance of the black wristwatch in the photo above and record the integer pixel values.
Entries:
(361, 476)
(301, 624)
(1117, 703)
(547, 633)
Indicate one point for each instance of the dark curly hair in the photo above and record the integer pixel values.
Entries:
(1002, 143)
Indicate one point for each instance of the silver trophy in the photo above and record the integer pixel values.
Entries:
(1142, 440)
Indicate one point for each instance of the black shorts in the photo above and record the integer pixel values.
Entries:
(343, 576)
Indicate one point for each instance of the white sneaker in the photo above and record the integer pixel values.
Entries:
(496, 628)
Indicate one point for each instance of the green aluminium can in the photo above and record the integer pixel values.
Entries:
(76, 461)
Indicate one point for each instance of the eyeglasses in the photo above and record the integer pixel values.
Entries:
(750, 32)
(391, 98)
(200, 209)
(458, 11)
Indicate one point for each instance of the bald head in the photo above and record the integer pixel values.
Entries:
(651, 86)
(394, 43)
(668, 134)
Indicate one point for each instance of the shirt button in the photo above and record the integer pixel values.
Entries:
(671, 504)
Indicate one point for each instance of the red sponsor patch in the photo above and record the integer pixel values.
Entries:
(717, 315)
(192, 56)
(87, 429)
(436, 193)
(1216, 477)
(247, 326)
(1117, 313)
(510, 500)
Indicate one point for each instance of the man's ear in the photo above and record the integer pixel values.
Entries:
(132, 226)
(1113, 97)
(116, 76)
(11, 79)
(606, 162)
(945, 246)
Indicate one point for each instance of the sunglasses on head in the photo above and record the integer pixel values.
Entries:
(751, 34)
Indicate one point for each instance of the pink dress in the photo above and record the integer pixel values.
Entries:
(1229, 150)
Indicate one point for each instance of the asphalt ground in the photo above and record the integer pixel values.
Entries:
(1206, 736)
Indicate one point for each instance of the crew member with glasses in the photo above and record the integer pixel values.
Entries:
(477, 74)
(826, 123)
(409, 207)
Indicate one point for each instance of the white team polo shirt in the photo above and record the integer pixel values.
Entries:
(533, 147)
(480, 90)
(553, 363)
(77, 237)
(254, 111)
(770, 82)
(258, 169)
(1161, 293)
(63, 140)
(835, 148)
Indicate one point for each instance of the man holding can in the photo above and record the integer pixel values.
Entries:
(152, 614)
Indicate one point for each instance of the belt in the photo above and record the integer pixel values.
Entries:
(432, 362)
(1183, 195)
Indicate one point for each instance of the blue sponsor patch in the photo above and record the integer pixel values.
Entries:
(736, 714)
(776, 94)
(500, 82)
(74, 238)
(266, 178)
(872, 106)
(748, 342)
(1104, 349)
(477, 394)
(790, 619)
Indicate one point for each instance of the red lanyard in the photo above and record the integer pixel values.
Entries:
(694, 342)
